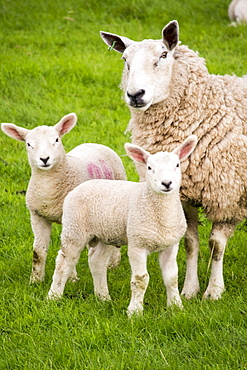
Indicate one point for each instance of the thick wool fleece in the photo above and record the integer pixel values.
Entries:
(215, 109)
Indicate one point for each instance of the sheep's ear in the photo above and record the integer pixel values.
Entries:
(170, 34)
(66, 124)
(16, 132)
(136, 152)
(186, 148)
(115, 42)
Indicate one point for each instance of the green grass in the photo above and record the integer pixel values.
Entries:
(53, 62)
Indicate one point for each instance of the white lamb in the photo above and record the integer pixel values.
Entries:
(237, 11)
(148, 216)
(53, 175)
(171, 95)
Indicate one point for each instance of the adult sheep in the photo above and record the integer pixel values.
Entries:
(171, 95)
(53, 175)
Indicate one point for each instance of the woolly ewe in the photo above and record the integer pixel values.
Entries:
(148, 216)
(54, 175)
(171, 95)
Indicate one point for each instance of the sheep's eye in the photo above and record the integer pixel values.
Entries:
(28, 144)
(164, 54)
(149, 168)
(57, 140)
(178, 165)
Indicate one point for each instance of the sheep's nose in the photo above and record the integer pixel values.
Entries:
(166, 184)
(45, 160)
(136, 98)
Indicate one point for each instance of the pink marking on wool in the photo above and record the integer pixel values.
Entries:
(100, 172)
(108, 174)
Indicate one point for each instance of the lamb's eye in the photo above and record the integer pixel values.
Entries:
(57, 140)
(164, 54)
(178, 165)
(28, 144)
(149, 168)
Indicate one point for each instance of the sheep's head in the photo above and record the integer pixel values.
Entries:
(43, 143)
(163, 173)
(148, 66)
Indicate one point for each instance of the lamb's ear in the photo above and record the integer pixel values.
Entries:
(66, 124)
(170, 34)
(186, 148)
(16, 132)
(136, 152)
(115, 42)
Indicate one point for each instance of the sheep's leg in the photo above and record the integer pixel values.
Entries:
(66, 261)
(99, 258)
(139, 279)
(169, 268)
(42, 233)
(191, 241)
(217, 244)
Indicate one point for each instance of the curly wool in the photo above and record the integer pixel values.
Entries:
(215, 109)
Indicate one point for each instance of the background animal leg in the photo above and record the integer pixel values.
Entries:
(169, 268)
(191, 241)
(217, 244)
(99, 258)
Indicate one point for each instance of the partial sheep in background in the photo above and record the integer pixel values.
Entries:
(53, 175)
(148, 216)
(171, 95)
(237, 11)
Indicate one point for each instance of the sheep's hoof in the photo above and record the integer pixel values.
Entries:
(53, 296)
(74, 279)
(190, 293)
(103, 297)
(36, 280)
(213, 294)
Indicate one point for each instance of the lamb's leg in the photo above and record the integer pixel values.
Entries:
(217, 244)
(139, 279)
(169, 268)
(42, 233)
(66, 261)
(191, 242)
(98, 259)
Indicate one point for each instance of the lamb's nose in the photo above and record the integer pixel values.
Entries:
(136, 98)
(45, 160)
(166, 184)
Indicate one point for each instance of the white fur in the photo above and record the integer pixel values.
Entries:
(54, 175)
(237, 11)
(148, 216)
(171, 95)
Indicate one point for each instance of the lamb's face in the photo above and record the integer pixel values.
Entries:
(163, 172)
(147, 73)
(44, 148)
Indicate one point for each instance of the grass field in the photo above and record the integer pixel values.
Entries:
(53, 62)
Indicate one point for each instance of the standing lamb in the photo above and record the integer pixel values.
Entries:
(148, 216)
(237, 11)
(54, 175)
(171, 95)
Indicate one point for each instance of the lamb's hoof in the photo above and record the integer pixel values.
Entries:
(133, 314)
(189, 293)
(53, 296)
(103, 297)
(36, 280)
(213, 293)
(74, 279)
